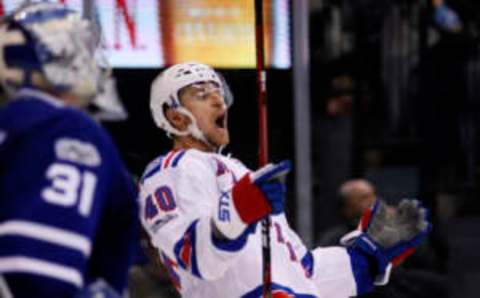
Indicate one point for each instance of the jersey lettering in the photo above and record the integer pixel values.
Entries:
(281, 239)
(151, 209)
(164, 198)
(223, 205)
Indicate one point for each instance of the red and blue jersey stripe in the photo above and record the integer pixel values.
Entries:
(185, 251)
(169, 160)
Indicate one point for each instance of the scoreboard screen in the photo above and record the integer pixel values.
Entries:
(152, 34)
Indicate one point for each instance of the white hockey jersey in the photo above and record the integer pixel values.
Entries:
(182, 191)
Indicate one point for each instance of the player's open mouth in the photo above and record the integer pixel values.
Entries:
(220, 122)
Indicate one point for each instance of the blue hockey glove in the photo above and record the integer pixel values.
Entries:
(389, 234)
(254, 196)
(262, 192)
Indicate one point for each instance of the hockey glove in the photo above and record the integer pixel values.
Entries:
(389, 234)
(262, 192)
(254, 196)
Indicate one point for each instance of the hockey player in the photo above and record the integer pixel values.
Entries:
(201, 209)
(67, 204)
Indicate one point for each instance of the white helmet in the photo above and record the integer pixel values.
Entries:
(166, 87)
(47, 46)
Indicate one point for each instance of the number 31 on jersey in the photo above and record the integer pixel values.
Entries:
(70, 187)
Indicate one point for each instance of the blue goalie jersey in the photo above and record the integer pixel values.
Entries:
(67, 204)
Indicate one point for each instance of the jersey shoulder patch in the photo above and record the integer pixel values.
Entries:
(77, 151)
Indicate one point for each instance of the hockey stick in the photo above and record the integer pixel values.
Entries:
(263, 139)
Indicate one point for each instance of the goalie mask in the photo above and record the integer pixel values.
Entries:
(167, 86)
(47, 46)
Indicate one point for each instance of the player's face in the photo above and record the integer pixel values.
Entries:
(206, 103)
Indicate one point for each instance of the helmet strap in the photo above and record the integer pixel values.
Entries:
(193, 128)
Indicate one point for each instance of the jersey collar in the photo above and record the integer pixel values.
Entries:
(39, 95)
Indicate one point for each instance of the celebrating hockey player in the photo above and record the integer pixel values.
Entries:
(201, 209)
(67, 204)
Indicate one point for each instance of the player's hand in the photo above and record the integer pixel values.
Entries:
(390, 234)
(262, 192)
(271, 180)
(254, 196)
(388, 226)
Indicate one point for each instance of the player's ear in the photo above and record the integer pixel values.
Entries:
(177, 119)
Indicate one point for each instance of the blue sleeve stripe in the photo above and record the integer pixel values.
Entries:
(361, 271)
(235, 244)
(307, 264)
(185, 251)
(152, 169)
(42, 232)
(20, 264)
(177, 158)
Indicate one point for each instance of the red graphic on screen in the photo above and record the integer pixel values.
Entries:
(122, 11)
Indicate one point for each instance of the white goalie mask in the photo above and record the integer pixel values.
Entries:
(48, 46)
(165, 94)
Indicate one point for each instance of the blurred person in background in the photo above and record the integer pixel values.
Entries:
(67, 204)
(355, 196)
